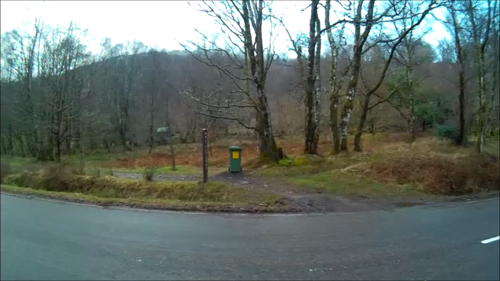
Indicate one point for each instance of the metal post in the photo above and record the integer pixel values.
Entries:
(204, 154)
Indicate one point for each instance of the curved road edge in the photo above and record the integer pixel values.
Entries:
(451, 202)
(49, 240)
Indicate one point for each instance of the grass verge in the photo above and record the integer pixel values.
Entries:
(105, 190)
(154, 204)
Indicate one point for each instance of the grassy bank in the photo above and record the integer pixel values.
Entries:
(394, 168)
(107, 190)
(145, 203)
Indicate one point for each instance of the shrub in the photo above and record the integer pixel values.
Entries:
(25, 179)
(447, 132)
(440, 175)
(149, 172)
(55, 177)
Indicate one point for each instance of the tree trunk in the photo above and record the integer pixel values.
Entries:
(334, 128)
(35, 149)
(461, 106)
(106, 145)
(21, 146)
(123, 139)
(58, 152)
(311, 99)
(359, 40)
(334, 88)
(317, 92)
(361, 124)
(461, 140)
(4, 148)
(346, 113)
(172, 152)
(170, 133)
(151, 127)
(67, 143)
(413, 119)
(267, 145)
(482, 111)
(493, 82)
(10, 144)
(480, 46)
(255, 59)
(151, 139)
(77, 147)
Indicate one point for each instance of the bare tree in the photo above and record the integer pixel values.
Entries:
(313, 82)
(154, 70)
(310, 81)
(335, 78)
(481, 21)
(455, 22)
(124, 75)
(248, 62)
(24, 65)
(495, 71)
(409, 58)
(393, 11)
(63, 54)
(59, 99)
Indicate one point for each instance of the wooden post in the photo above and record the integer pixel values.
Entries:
(204, 154)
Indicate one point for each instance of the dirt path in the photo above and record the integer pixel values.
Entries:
(301, 199)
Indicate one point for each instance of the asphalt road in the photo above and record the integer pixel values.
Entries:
(59, 241)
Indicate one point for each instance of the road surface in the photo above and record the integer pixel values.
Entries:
(59, 241)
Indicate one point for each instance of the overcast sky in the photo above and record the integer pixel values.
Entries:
(156, 23)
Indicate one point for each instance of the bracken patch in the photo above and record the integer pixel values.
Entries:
(437, 174)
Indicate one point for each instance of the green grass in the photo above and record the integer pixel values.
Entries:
(329, 180)
(16, 162)
(346, 184)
